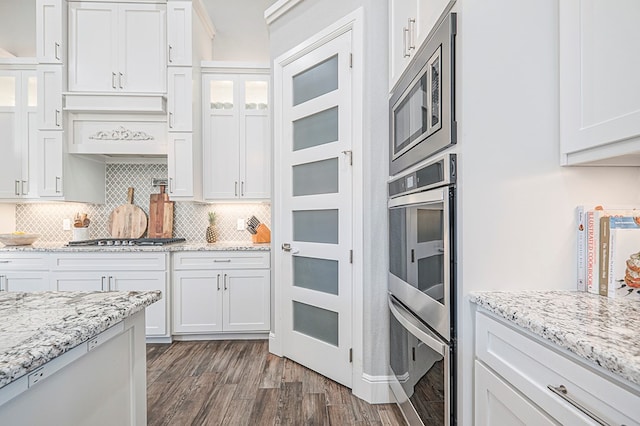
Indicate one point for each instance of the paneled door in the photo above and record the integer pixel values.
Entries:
(315, 204)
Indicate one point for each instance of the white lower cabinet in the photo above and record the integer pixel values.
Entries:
(516, 372)
(211, 296)
(95, 271)
(24, 272)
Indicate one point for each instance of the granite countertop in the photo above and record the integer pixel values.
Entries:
(186, 246)
(38, 327)
(602, 330)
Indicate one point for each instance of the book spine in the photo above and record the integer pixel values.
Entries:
(581, 249)
(592, 253)
(611, 280)
(603, 260)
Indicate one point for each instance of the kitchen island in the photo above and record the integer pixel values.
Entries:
(73, 357)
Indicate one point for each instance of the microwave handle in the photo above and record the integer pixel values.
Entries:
(414, 326)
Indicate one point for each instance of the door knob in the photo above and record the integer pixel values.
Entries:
(286, 246)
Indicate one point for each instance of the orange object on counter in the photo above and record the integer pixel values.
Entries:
(263, 234)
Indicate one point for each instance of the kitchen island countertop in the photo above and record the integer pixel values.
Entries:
(37, 327)
(186, 246)
(601, 330)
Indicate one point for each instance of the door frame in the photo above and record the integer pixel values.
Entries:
(351, 22)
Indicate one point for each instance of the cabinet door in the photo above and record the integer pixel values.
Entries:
(179, 99)
(11, 117)
(142, 63)
(402, 16)
(428, 13)
(93, 39)
(180, 164)
(80, 281)
(221, 145)
(246, 300)
(179, 33)
(255, 142)
(49, 38)
(156, 313)
(197, 301)
(24, 281)
(497, 403)
(599, 85)
(50, 161)
(50, 97)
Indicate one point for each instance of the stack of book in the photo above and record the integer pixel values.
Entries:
(609, 251)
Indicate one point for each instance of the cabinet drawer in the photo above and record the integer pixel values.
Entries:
(109, 261)
(24, 261)
(530, 366)
(221, 260)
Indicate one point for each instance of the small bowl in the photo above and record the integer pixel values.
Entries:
(18, 239)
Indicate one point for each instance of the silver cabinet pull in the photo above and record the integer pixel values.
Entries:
(171, 120)
(57, 118)
(236, 190)
(411, 25)
(56, 50)
(222, 260)
(242, 189)
(17, 187)
(120, 80)
(171, 185)
(563, 393)
(109, 287)
(2, 283)
(218, 281)
(113, 80)
(405, 42)
(225, 282)
(5, 261)
(170, 48)
(102, 283)
(58, 184)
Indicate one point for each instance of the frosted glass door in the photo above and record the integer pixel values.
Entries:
(316, 188)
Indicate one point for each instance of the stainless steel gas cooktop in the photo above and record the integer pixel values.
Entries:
(127, 242)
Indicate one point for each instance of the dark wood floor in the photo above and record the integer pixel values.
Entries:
(237, 382)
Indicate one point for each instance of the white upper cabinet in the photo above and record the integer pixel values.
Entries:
(179, 30)
(410, 22)
(117, 47)
(50, 46)
(236, 143)
(180, 164)
(50, 97)
(180, 99)
(599, 84)
(18, 133)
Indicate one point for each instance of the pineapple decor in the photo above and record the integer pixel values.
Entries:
(211, 229)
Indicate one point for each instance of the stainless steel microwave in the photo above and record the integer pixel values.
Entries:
(421, 106)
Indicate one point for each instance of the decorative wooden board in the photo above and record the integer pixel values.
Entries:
(127, 220)
(160, 215)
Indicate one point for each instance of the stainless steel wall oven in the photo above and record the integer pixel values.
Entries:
(422, 290)
(421, 107)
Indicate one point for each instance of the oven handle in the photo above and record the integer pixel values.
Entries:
(411, 323)
(431, 196)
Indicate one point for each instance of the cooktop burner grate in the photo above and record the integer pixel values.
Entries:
(127, 242)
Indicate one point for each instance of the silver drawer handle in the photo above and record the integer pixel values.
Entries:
(222, 260)
(563, 393)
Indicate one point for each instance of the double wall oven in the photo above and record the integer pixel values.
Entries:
(422, 252)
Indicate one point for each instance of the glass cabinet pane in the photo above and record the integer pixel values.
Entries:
(7, 91)
(221, 94)
(32, 91)
(256, 94)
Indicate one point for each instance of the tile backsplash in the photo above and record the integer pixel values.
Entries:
(190, 219)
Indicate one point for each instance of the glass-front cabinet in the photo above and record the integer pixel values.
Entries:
(18, 133)
(236, 144)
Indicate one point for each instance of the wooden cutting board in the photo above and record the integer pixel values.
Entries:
(160, 215)
(127, 220)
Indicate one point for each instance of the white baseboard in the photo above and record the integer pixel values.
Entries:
(374, 389)
(220, 336)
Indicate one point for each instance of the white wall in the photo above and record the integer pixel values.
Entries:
(517, 221)
(7, 218)
(18, 27)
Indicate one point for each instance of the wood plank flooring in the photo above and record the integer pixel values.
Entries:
(238, 382)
